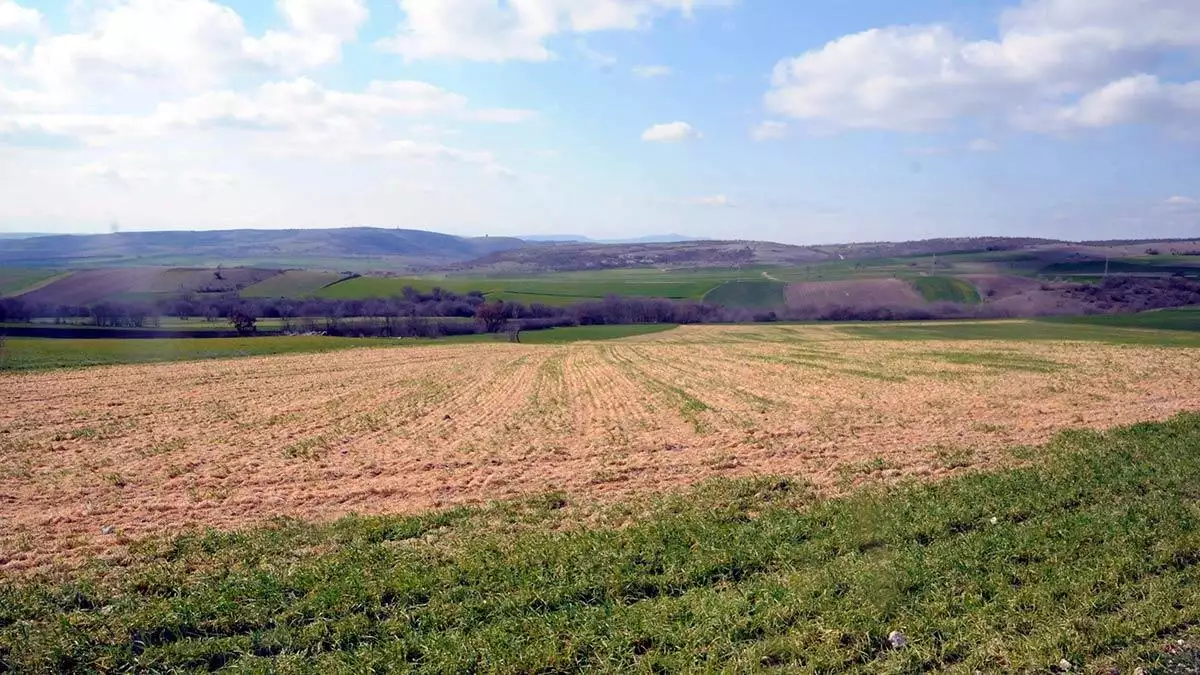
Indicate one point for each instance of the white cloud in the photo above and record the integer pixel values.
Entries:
(15, 18)
(112, 175)
(291, 105)
(983, 145)
(670, 132)
(186, 45)
(597, 59)
(1056, 64)
(486, 30)
(340, 18)
(715, 201)
(647, 72)
(1181, 201)
(1140, 99)
(769, 130)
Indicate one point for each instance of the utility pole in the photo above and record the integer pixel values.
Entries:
(1105, 265)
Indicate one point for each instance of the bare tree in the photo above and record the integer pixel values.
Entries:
(492, 316)
(243, 321)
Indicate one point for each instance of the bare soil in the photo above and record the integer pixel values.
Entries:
(87, 287)
(166, 447)
(863, 293)
(993, 287)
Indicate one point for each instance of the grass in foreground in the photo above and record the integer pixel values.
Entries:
(1090, 555)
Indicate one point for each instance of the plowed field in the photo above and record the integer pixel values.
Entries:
(157, 448)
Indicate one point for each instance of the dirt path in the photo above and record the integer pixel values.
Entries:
(159, 448)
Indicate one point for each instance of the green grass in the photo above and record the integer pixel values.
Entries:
(1049, 329)
(1151, 265)
(43, 354)
(579, 333)
(291, 284)
(760, 294)
(1163, 319)
(557, 289)
(16, 280)
(946, 289)
(1091, 555)
(26, 354)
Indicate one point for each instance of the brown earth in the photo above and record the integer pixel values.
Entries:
(161, 448)
(993, 287)
(892, 293)
(87, 287)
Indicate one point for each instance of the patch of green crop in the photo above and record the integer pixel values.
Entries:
(1092, 555)
(23, 354)
(760, 294)
(1163, 319)
(998, 360)
(291, 284)
(1020, 330)
(946, 289)
(27, 354)
(16, 280)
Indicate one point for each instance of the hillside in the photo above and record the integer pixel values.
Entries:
(353, 246)
(572, 256)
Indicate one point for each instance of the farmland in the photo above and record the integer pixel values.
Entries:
(373, 430)
(27, 354)
(291, 284)
(946, 289)
(551, 289)
(1087, 555)
(728, 477)
(16, 280)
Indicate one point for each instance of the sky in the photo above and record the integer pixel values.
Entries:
(802, 122)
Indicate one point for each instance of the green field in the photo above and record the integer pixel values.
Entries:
(27, 354)
(42, 354)
(555, 289)
(1164, 265)
(946, 289)
(1162, 319)
(760, 294)
(15, 280)
(291, 284)
(1091, 555)
(1048, 329)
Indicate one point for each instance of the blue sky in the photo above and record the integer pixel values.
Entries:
(813, 122)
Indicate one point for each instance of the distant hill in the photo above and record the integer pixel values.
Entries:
(367, 249)
(352, 246)
(595, 255)
(580, 239)
(651, 239)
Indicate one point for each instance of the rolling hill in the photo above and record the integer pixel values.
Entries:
(348, 247)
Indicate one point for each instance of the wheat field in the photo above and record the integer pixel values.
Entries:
(94, 459)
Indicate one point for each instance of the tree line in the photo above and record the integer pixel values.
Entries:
(441, 313)
(410, 314)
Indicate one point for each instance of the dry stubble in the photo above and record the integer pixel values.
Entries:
(158, 448)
